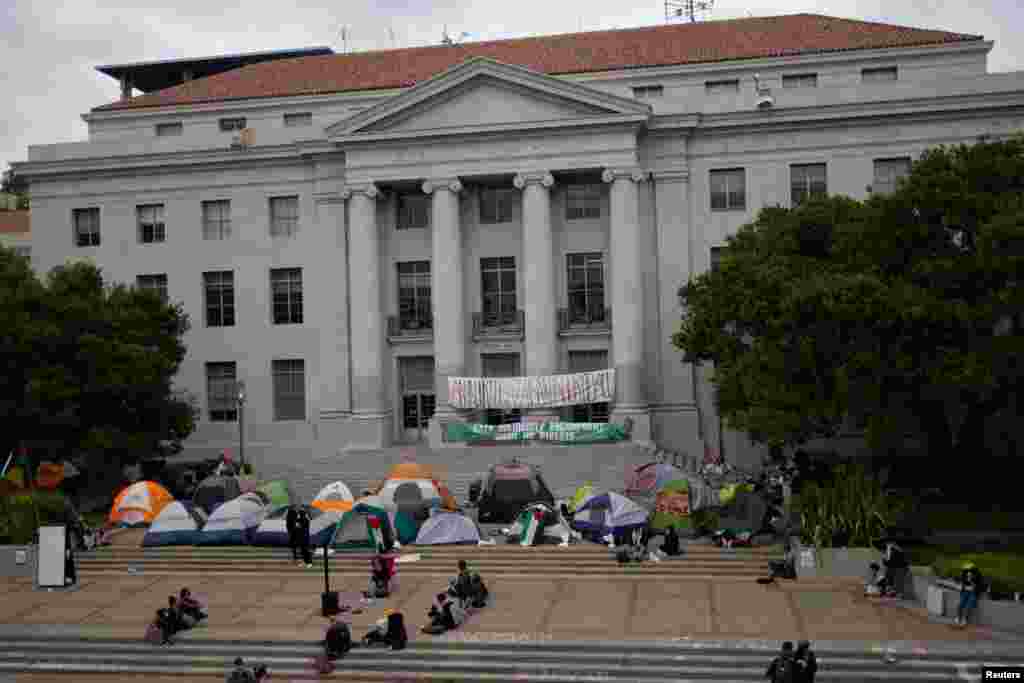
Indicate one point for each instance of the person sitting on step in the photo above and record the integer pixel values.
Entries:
(390, 631)
(190, 607)
(380, 578)
(338, 640)
(445, 615)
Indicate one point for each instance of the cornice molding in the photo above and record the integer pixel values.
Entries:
(670, 174)
(610, 175)
(453, 185)
(369, 190)
(542, 178)
(329, 198)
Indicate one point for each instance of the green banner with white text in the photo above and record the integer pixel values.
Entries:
(556, 432)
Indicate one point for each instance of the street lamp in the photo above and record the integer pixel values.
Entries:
(240, 398)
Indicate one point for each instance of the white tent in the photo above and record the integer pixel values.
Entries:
(335, 491)
(234, 522)
(177, 524)
(448, 528)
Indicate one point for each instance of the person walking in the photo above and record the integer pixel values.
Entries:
(896, 568)
(783, 668)
(291, 523)
(971, 584)
(807, 663)
(304, 523)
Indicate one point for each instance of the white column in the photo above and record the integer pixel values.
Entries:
(327, 298)
(371, 412)
(540, 308)
(627, 301)
(446, 295)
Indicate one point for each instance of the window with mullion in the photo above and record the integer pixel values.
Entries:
(219, 287)
(728, 189)
(151, 223)
(582, 201)
(498, 205)
(286, 292)
(807, 180)
(585, 277)
(413, 211)
(414, 304)
(156, 283)
(87, 227)
(217, 220)
(498, 288)
(289, 389)
(284, 216)
(220, 392)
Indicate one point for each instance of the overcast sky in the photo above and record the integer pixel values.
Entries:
(49, 48)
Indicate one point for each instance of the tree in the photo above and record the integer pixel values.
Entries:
(12, 184)
(89, 366)
(904, 311)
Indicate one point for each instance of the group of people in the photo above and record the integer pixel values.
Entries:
(244, 674)
(297, 522)
(889, 578)
(466, 591)
(182, 613)
(799, 666)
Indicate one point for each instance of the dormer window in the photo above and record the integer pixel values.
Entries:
(644, 92)
(227, 125)
(800, 81)
(169, 129)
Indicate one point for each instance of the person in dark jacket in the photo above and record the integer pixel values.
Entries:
(241, 673)
(338, 640)
(391, 633)
(784, 668)
(190, 607)
(806, 661)
(304, 522)
(671, 544)
(896, 568)
(444, 616)
(291, 523)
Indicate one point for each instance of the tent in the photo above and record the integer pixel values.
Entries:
(672, 506)
(355, 532)
(553, 527)
(448, 528)
(608, 513)
(403, 527)
(279, 492)
(581, 494)
(234, 522)
(274, 532)
(431, 489)
(139, 504)
(509, 487)
(648, 479)
(215, 491)
(336, 496)
(177, 524)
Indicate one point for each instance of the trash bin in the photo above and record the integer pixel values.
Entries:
(936, 601)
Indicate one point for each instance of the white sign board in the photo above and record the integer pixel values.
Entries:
(50, 563)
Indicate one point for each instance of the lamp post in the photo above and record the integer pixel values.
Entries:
(240, 398)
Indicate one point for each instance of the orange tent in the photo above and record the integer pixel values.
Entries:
(411, 471)
(139, 504)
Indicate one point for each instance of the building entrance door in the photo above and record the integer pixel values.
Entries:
(501, 365)
(418, 398)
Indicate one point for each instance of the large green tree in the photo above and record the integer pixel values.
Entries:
(88, 367)
(904, 311)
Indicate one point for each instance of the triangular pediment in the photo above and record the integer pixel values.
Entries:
(480, 95)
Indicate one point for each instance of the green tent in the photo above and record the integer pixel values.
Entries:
(401, 525)
(278, 491)
(670, 501)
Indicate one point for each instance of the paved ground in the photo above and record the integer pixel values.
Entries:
(275, 608)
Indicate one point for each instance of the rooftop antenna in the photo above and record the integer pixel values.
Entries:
(686, 8)
(394, 42)
(448, 40)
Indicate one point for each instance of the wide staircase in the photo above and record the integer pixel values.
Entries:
(581, 561)
(76, 658)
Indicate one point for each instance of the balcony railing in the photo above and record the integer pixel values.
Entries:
(418, 328)
(509, 324)
(584, 322)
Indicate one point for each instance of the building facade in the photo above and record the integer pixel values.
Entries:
(349, 231)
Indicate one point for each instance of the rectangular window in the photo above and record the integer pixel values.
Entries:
(284, 216)
(150, 219)
(728, 189)
(289, 389)
(807, 180)
(498, 204)
(501, 365)
(221, 388)
(588, 361)
(169, 129)
(156, 283)
(219, 288)
(888, 173)
(585, 278)
(286, 293)
(717, 87)
(236, 123)
(582, 201)
(87, 227)
(800, 81)
(217, 220)
(644, 92)
(299, 119)
(413, 211)
(414, 303)
(885, 74)
(498, 290)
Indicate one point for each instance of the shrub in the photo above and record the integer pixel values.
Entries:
(1004, 571)
(21, 514)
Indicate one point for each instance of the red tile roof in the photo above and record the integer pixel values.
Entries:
(664, 45)
(14, 222)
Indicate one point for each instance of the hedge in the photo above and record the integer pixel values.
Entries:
(18, 514)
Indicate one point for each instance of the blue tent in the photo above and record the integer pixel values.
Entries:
(448, 528)
(177, 524)
(608, 513)
(273, 532)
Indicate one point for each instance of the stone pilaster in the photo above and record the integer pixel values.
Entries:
(327, 298)
(447, 299)
(627, 295)
(540, 305)
(371, 422)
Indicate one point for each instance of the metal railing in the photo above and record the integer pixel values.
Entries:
(506, 324)
(569, 320)
(410, 327)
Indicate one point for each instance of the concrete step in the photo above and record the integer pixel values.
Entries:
(467, 661)
(692, 550)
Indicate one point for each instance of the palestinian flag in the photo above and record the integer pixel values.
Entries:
(530, 520)
(376, 534)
